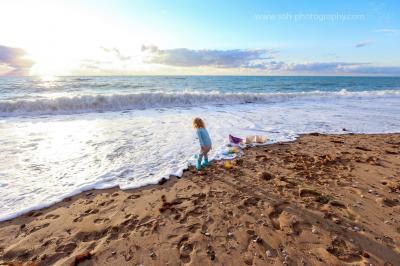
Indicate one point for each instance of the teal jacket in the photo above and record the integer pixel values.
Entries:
(203, 136)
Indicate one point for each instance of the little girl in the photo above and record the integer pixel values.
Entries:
(205, 141)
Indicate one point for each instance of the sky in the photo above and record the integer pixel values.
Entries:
(177, 37)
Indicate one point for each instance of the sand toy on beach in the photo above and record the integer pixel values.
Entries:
(227, 164)
(255, 139)
(234, 140)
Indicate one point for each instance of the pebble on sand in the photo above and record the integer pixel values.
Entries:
(314, 229)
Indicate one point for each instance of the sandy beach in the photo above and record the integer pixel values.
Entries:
(320, 200)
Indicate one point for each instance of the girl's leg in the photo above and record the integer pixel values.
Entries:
(199, 159)
(206, 157)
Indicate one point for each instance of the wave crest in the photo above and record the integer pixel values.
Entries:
(119, 102)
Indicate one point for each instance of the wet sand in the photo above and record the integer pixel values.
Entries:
(320, 200)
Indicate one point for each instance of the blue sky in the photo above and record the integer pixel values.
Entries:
(200, 37)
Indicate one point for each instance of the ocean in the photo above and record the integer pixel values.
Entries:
(60, 136)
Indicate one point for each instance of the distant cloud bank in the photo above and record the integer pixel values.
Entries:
(343, 68)
(14, 60)
(183, 57)
(261, 60)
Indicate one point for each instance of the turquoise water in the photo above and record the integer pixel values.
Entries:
(69, 95)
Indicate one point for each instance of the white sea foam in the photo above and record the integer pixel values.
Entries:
(117, 102)
(47, 159)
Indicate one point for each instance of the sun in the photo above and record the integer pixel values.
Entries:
(48, 78)
(61, 35)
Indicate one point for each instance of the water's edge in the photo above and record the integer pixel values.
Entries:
(164, 180)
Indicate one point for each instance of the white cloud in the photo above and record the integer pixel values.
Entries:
(117, 53)
(375, 70)
(183, 57)
(389, 31)
(326, 67)
(14, 60)
(363, 43)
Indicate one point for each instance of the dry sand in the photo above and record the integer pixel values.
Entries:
(321, 200)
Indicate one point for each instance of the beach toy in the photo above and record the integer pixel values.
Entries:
(227, 165)
(255, 139)
(234, 140)
(225, 153)
(260, 139)
(228, 152)
(235, 150)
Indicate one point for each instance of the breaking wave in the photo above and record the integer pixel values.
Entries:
(119, 102)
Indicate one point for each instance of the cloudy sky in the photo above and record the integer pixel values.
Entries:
(309, 37)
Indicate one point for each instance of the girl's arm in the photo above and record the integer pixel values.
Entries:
(201, 138)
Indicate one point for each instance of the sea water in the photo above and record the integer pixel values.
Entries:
(64, 135)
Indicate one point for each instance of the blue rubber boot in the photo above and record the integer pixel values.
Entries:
(205, 162)
(198, 165)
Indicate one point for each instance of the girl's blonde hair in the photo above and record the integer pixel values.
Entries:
(198, 123)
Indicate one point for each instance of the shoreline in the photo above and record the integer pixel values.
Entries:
(162, 180)
(277, 197)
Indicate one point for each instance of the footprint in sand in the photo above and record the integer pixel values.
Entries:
(84, 214)
(52, 216)
(194, 212)
(343, 251)
(134, 196)
(337, 204)
(38, 227)
(185, 249)
(90, 236)
(106, 203)
(130, 223)
(386, 202)
(101, 220)
(34, 214)
(193, 227)
(67, 248)
(211, 252)
(307, 192)
(275, 212)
